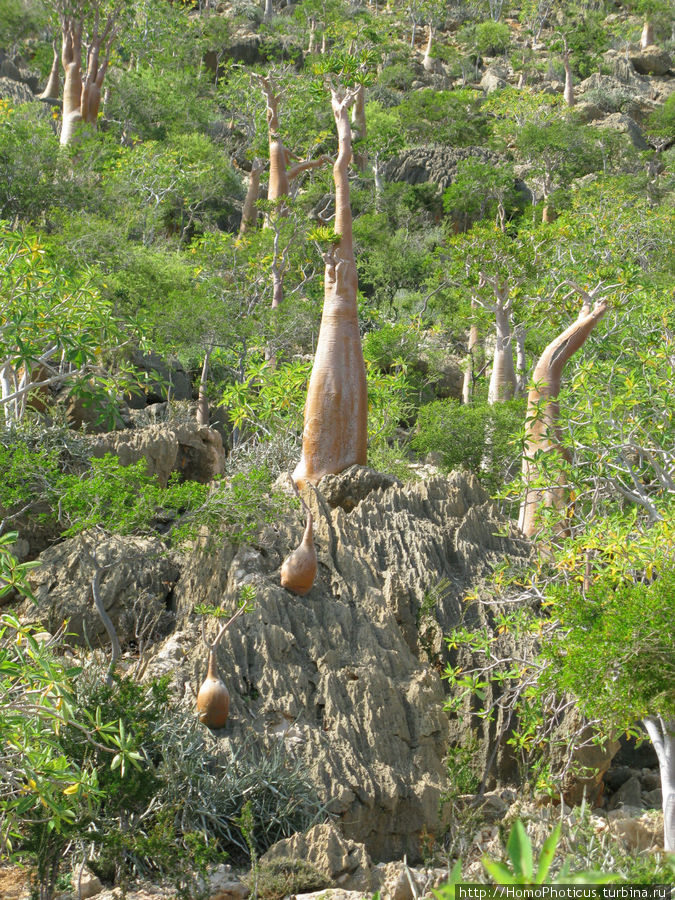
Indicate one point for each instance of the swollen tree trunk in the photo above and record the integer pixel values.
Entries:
(71, 55)
(474, 359)
(662, 734)
(335, 434)
(51, 91)
(82, 93)
(428, 61)
(359, 131)
(568, 94)
(203, 415)
(541, 434)
(268, 10)
(503, 377)
(647, 37)
(249, 213)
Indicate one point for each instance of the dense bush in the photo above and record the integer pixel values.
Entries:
(481, 438)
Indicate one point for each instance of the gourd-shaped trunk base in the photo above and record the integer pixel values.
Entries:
(298, 570)
(213, 699)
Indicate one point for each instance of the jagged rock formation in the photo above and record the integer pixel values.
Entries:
(339, 674)
(14, 91)
(136, 580)
(194, 451)
(437, 164)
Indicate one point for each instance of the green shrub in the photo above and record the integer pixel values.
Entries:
(662, 120)
(287, 877)
(479, 437)
(492, 38)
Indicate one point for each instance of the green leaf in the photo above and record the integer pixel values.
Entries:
(547, 855)
(519, 849)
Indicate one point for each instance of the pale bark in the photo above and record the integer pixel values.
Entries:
(268, 10)
(379, 181)
(203, 414)
(53, 86)
(281, 173)
(662, 734)
(568, 94)
(249, 213)
(71, 55)
(335, 434)
(647, 36)
(428, 61)
(548, 214)
(82, 92)
(474, 359)
(542, 412)
(359, 130)
(311, 47)
(503, 376)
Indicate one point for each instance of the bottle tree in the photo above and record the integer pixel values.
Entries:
(335, 434)
(88, 27)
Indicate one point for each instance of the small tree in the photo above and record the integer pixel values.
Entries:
(613, 651)
(541, 435)
(97, 23)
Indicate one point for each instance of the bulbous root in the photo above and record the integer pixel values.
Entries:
(213, 699)
(298, 570)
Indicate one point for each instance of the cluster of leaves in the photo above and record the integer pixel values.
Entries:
(121, 771)
(103, 494)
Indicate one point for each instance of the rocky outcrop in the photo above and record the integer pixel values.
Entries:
(163, 380)
(625, 125)
(651, 61)
(437, 164)
(339, 675)
(136, 580)
(192, 450)
(494, 79)
(14, 91)
(344, 863)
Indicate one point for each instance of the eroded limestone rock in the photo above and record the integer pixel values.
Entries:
(339, 674)
(192, 450)
(136, 580)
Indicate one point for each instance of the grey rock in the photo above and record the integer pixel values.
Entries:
(588, 112)
(629, 794)
(192, 450)
(136, 580)
(634, 87)
(14, 91)
(336, 674)
(85, 883)
(653, 799)
(164, 380)
(651, 61)
(437, 164)
(617, 776)
(350, 487)
(491, 82)
(625, 125)
(344, 863)
(9, 70)
(650, 780)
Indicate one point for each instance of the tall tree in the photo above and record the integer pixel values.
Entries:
(541, 432)
(335, 433)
